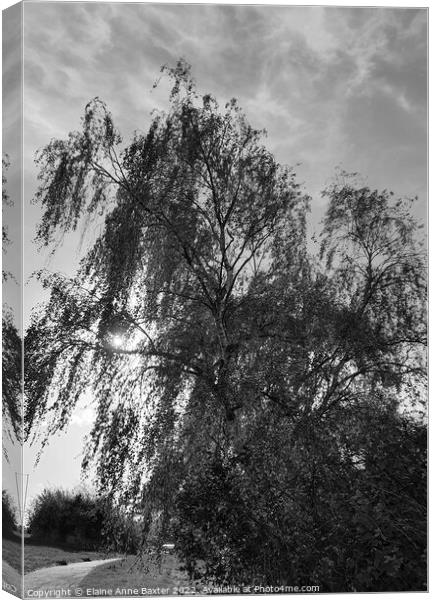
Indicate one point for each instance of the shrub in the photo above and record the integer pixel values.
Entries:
(82, 520)
(342, 506)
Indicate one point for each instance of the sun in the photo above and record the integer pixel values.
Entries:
(117, 341)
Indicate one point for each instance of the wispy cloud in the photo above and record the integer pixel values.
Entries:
(316, 78)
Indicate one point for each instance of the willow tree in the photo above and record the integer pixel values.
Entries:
(235, 379)
(164, 310)
(11, 345)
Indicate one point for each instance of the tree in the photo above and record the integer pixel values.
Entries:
(224, 360)
(11, 347)
(11, 377)
(80, 519)
(198, 210)
(9, 515)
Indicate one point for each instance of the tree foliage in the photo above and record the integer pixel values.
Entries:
(9, 515)
(240, 383)
(80, 519)
(11, 346)
(11, 378)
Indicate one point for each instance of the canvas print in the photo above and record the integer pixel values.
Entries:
(214, 299)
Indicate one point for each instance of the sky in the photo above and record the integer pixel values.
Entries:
(333, 87)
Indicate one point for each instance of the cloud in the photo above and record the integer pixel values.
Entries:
(317, 78)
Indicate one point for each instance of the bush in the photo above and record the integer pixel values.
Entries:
(58, 516)
(341, 506)
(82, 520)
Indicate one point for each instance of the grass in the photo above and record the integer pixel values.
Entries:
(37, 555)
(129, 574)
(11, 580)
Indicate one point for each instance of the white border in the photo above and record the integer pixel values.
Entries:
(395, 4)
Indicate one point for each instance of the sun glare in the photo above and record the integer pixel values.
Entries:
(117, 341)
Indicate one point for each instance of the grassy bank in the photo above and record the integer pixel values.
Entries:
(37, 555)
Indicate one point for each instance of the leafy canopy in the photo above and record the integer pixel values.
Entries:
(196, 212)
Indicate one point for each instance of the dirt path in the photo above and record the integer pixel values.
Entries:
(59, 578)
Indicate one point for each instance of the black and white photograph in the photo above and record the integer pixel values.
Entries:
(214, 299)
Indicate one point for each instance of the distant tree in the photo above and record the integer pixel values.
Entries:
(9, 515)
(80, 519)
(228, 365)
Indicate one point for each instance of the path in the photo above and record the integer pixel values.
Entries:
(60, 578)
